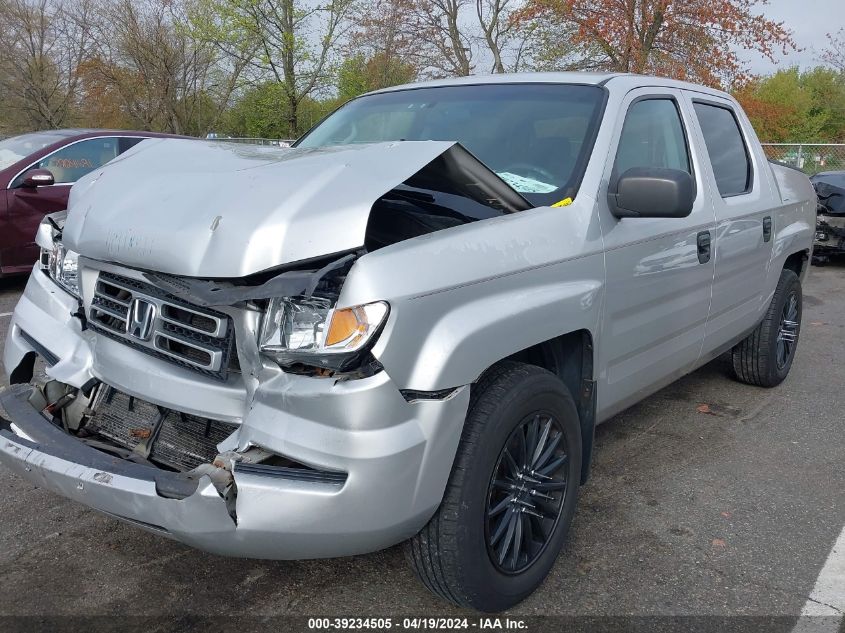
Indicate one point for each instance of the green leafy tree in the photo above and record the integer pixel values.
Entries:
(262, 112)
(259, 113)
(794, 107)
(826, 89)
(359, 74)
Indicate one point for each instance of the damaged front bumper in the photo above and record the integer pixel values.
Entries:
(830, 236)
(390, 457)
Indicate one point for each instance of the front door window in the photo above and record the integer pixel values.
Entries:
(71, 163)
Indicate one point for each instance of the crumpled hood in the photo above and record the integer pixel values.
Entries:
(214, 209)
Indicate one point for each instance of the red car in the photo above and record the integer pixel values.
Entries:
(36, 174)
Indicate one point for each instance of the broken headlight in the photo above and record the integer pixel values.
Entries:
(63, 267)
(313, 332)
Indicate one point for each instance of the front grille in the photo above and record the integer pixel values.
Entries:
(144, 317)
(170, 438)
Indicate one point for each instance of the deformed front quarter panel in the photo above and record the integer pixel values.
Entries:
(465, 298)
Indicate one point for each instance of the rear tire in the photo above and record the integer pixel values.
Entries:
(765, 357)
(494, 503)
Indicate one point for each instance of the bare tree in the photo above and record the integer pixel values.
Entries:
(453, 42)
(45, 41)
(384, 31)
(502, 33)
(445, 46)
(163, 78)
(834, 54)
(294, 41)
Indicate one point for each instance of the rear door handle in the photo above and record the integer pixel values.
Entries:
(767, 228)
(704, 247)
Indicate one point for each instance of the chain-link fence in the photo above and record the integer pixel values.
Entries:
(811, 158)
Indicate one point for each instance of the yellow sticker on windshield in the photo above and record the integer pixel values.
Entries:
(563, 203)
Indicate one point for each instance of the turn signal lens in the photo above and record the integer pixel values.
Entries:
(344, 326)
(350, 328)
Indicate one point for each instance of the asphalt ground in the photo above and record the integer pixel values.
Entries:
(710, 498)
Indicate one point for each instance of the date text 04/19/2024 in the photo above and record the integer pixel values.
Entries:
(417, 623)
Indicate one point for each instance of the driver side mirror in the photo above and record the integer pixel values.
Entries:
(652, 192)
(35, 178)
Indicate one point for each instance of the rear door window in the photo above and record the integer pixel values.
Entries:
(726, 148)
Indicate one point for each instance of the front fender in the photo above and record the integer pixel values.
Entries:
(464, 298)
(449, 339)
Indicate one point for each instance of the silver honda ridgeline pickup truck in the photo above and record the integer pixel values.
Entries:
(405, 327)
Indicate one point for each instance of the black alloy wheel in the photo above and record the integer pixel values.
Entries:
(511, 494)
(765, 356)
(526, 494)
(788, 330)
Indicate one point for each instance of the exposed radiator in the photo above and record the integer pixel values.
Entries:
(170, 438)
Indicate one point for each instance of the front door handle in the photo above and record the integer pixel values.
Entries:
(703, 247)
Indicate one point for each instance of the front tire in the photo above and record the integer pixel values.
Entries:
(511, 494)
(765, 357)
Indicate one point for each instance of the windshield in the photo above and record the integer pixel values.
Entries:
(19, 147)
(536, 137)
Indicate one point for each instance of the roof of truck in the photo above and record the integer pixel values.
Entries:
(584, 78)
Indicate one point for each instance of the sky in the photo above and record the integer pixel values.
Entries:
(809, 20)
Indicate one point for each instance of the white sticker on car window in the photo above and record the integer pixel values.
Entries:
(526, 185)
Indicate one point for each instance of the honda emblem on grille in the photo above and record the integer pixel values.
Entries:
(139, 323)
